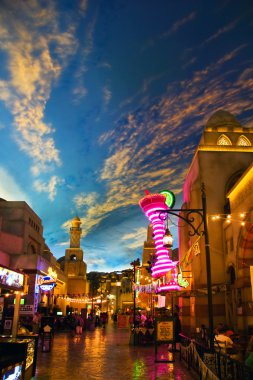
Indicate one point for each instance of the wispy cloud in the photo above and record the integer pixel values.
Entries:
(179, 24)
(105, 65)
(49, 187)
(85, 200)
(63, 244)
(107, 94)
(35, 61)
(83, 5)
(135, 239)
(85, 50)
(225, 29)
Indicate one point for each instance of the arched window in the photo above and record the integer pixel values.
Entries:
(31, 249)
(224, 140)
(243, 141)
(73, 258)
(233, 179)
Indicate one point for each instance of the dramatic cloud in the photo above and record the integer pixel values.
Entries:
(33, 67)
(152, 148)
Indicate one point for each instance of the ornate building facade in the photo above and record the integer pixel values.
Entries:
(75, 268)
(223, 163)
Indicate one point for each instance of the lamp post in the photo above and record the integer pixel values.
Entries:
(135, 263)
(197, 230)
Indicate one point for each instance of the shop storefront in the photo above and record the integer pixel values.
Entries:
(17, 353)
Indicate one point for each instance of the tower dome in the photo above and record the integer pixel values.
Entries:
(222, 118)
(76, 222)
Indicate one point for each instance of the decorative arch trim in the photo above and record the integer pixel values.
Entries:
(243, 141)
(224, 140)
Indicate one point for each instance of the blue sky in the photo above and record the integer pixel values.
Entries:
(100, 100)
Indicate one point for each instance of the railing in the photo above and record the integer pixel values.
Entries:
(211, 365)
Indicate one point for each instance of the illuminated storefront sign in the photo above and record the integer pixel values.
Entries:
(46, 283)
(11, 279)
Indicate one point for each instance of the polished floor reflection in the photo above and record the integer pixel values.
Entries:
(106, 354)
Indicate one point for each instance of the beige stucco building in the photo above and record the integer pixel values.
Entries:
(223, 163)
(22, 247)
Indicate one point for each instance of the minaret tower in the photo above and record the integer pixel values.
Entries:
(75, 233)
(74, 264)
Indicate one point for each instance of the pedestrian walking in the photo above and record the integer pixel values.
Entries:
(79, 325)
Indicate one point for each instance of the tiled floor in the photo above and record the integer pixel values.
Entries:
(105, 354)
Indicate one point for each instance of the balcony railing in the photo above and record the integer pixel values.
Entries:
(207, 364)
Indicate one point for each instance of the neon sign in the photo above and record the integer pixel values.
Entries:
(163, 264)
(46, 283)
(170, 198)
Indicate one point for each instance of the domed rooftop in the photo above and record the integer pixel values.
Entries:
(76, 222)
(222, 118)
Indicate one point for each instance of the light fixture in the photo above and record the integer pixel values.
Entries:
(168, 238)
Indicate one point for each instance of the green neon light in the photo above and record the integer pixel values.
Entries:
(182, 281)
(170, 198)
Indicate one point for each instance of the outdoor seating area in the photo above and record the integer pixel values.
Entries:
(223, 362)
(142, 336)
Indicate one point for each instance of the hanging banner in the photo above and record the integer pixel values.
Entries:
(194, 250)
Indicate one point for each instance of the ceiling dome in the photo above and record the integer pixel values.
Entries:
(222, 118)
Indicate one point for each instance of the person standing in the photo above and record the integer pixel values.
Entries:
(36, 323)
(79, 325)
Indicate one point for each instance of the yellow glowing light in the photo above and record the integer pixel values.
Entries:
(240, 186)
(242, 223)
(228, 216)
(242, 215)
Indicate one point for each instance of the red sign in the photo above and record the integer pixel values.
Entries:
(123, 321)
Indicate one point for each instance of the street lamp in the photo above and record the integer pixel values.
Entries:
(189, 218)
(135, 264)
(168, 238)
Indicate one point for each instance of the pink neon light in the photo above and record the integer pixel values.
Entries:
(150, 204)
